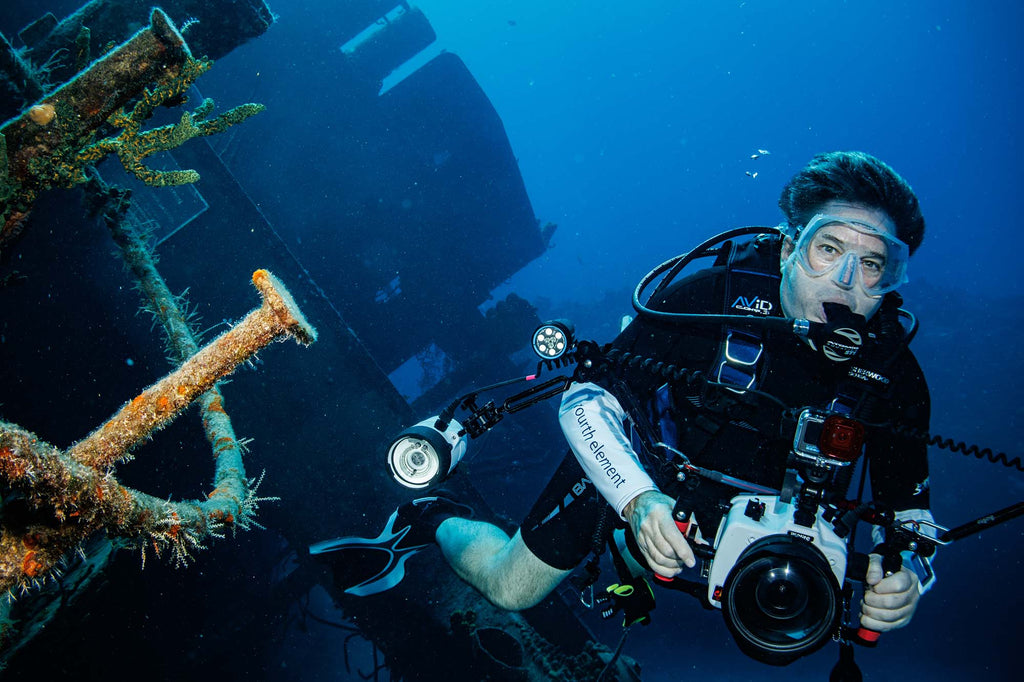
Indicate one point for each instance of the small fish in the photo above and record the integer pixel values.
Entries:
(763, 152)
(751, 175)
(754, 156)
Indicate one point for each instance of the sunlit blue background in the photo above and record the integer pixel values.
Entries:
(634, 123)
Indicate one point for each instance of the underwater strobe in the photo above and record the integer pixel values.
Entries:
(423, 455)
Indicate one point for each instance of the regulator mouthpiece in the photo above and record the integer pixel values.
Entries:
(841, 338)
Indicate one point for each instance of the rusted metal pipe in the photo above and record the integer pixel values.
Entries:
(279, 316)
(51, 132)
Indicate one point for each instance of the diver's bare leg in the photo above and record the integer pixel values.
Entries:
(503, 569)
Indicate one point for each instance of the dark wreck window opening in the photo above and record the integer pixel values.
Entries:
(421, 372)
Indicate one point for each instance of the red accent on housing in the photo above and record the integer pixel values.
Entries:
(841, 438)
(866, 635)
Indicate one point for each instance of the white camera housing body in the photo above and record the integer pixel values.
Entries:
(742, 526)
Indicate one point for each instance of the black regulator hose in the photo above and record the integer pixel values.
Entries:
(674, 266)
(832, 338)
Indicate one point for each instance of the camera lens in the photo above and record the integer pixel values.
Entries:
(781, 599)
(781, 592)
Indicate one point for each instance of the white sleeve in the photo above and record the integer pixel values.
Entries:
(591, 419)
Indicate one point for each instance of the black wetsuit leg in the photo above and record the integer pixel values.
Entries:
(559, 529)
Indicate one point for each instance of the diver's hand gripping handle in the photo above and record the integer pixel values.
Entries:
(892, 562)
(684, 528)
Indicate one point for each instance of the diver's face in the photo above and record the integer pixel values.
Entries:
(802, 294)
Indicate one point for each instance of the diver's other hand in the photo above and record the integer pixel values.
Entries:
(889, 601)
(650, 517)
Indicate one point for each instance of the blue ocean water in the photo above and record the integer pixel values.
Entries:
(634, 125)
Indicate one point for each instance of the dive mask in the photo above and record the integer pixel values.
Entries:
(852, 252)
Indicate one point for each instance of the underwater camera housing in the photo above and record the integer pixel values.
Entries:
(827, 440)
(778, 562)
(776, 581)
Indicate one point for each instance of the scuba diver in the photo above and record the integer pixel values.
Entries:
(852, 224)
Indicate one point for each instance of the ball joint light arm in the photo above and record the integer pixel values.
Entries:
(428, 452)
(555, 345)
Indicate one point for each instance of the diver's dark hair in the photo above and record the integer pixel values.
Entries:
(854, 177)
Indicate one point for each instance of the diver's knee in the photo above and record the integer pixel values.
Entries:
(520, 580)
(513, 598)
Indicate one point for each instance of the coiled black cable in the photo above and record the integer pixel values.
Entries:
(616, 359)
(600, 536)
(664, 370)
(621, 360)
(962, 447)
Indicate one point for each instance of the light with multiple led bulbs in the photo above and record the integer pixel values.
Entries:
(553, 339)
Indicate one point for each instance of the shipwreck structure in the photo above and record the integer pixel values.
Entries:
(390, 212)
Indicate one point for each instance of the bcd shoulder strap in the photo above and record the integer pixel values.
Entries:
(752, 279)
